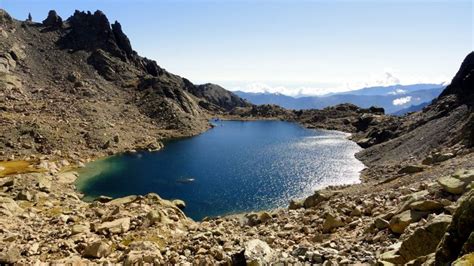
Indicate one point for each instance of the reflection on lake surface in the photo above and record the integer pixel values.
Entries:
(236, 166)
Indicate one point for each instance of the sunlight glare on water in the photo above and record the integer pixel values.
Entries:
(235, 167)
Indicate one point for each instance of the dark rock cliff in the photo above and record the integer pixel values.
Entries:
(81, 77)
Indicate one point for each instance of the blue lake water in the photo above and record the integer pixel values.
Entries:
(236, 166)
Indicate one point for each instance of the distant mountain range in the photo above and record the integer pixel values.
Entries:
(392, 98)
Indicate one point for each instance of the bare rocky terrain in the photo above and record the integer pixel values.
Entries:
(73, 90)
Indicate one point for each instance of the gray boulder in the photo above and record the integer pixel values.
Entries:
(425, 239)
(97, 250)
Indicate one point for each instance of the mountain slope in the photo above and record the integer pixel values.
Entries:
(78, 83)
(394, 89)
(446, 123)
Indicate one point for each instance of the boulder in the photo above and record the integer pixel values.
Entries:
(97, 250)
(79, 228)
(24, 195)
(44, 183)
(10, 256)
(411, 169)
(331, 221)
(392, 255)
(423, 260)
(153, 217)
(142, 253)
(179, 203)
(103, 199)
(466, 176)
(399, 222)
(437, 157)
(17, 52)
(114, 227)
(425, 239)
(451, 184)
(257, 218)
(296, 204)
(67, 177)
(258, 252)
(157, 217)
(9, 207)
(124, 200)
(465, 260)
(458, 241)
(357, 211)
(426, 205)
(417, 196)
(142, 258)
(316, 198)
(381, 223)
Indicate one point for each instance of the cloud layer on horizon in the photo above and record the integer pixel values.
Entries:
(387, 78)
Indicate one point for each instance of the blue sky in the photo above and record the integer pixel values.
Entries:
(308, 47)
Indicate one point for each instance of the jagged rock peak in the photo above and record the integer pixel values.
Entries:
(93, 31)
(53, 20)
(122, 40)
(462, 84)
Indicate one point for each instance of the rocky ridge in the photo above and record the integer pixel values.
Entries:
(414, 207)
(83, 74)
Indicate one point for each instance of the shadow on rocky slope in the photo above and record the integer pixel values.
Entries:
(77, 84)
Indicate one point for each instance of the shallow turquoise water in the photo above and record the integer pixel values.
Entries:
(236, 166)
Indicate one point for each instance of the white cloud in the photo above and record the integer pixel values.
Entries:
(402, 100)
(296, 91)
(397, 92)
(388, 77)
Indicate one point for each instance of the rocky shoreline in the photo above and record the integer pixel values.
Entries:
(365, 223)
